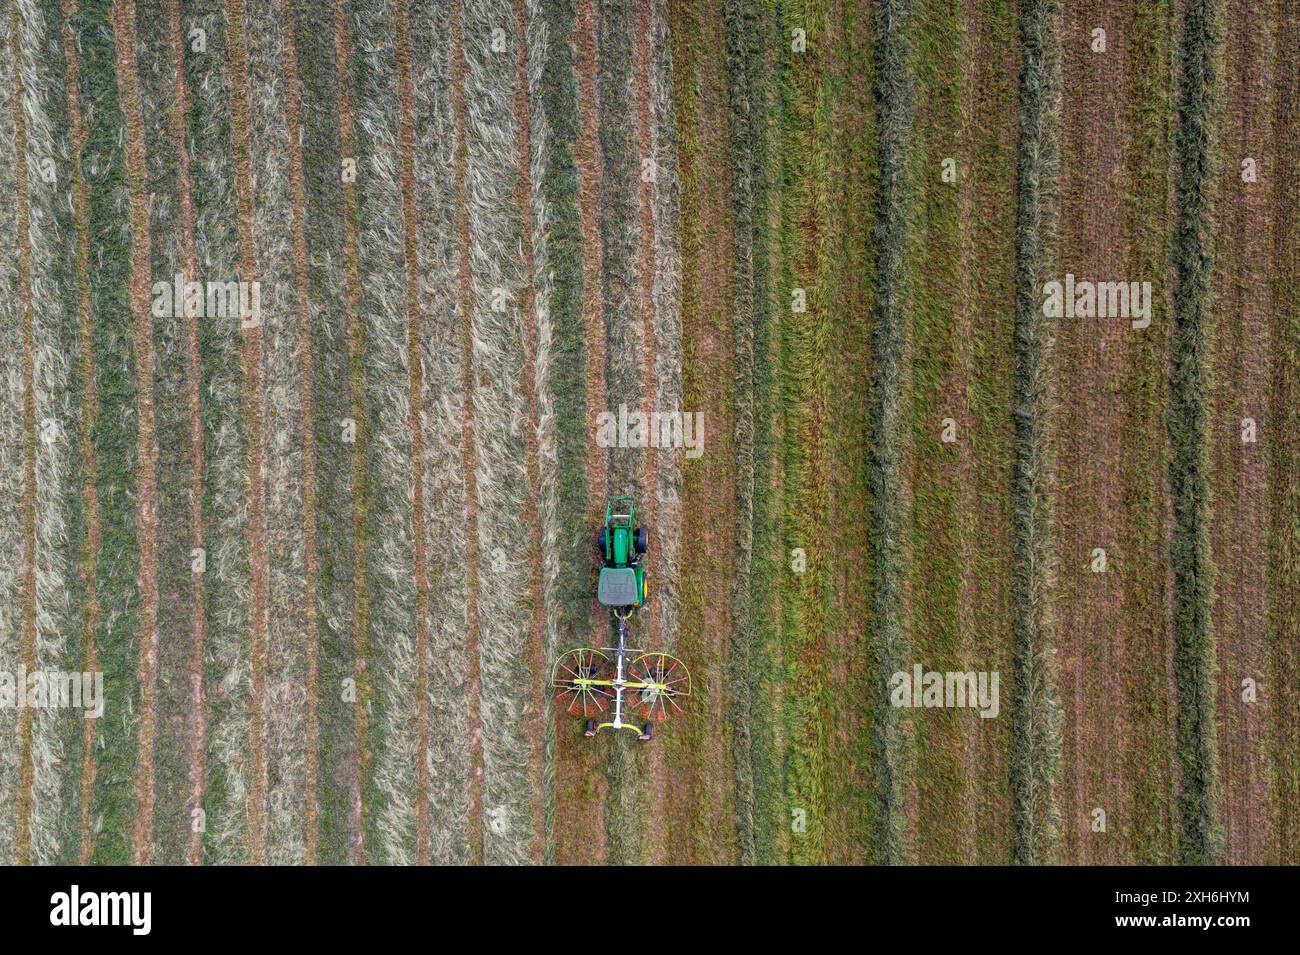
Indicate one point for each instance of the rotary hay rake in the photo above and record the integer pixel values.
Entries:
(587, 681)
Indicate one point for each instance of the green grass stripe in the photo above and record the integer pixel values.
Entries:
(849, 277)
(561, 358)
(804, 395)
(171, 823)
(225, 505)
(1190, 396)
(322, 165)
(743, 28)
(989, 182)
(885, 462)
(620, 237)
(771, 819)
(112, 800)
(1036, 716)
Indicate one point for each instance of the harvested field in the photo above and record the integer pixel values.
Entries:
(948, 350)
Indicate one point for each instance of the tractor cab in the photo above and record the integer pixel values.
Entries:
(622, 543)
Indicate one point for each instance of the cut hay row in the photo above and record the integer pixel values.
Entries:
(170, 829)
(25, 398)
(56, 334)
(537, 700)
(146, 439)
(624, 335)
(1189, 417)
(361, 781)
(415, 419)
(12, 448)
(390, 815)
(849, 279)
(885, 463)
(987, 189)
(305, 392)
(327, 293)
(666, 322)
(103, 162)
(227, 763)
(444, 409)
(60, 395)
(933, 469)
(194, 710)
(53, 492)
(500, 417)
(291, 637)
(1145, 567)
(468, 442)
(1284, 455)
(641, 26)
(1239, 470)
(559, 362)
(580, 785)
(253, 420)
(1035, 715)
(82, 749)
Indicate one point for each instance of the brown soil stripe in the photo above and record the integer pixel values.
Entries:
(302, 279)
(415, 332)
(252, 360)
(1241, 365)
(124, 33)
(89, 410)
(468, 448)
(536, 651)
(28, 651)
(1092, 352)
(361, 610)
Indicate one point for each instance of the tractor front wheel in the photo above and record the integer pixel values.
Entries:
(641, 540)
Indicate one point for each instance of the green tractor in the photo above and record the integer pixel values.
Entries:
(588, 681)
(622, 544)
